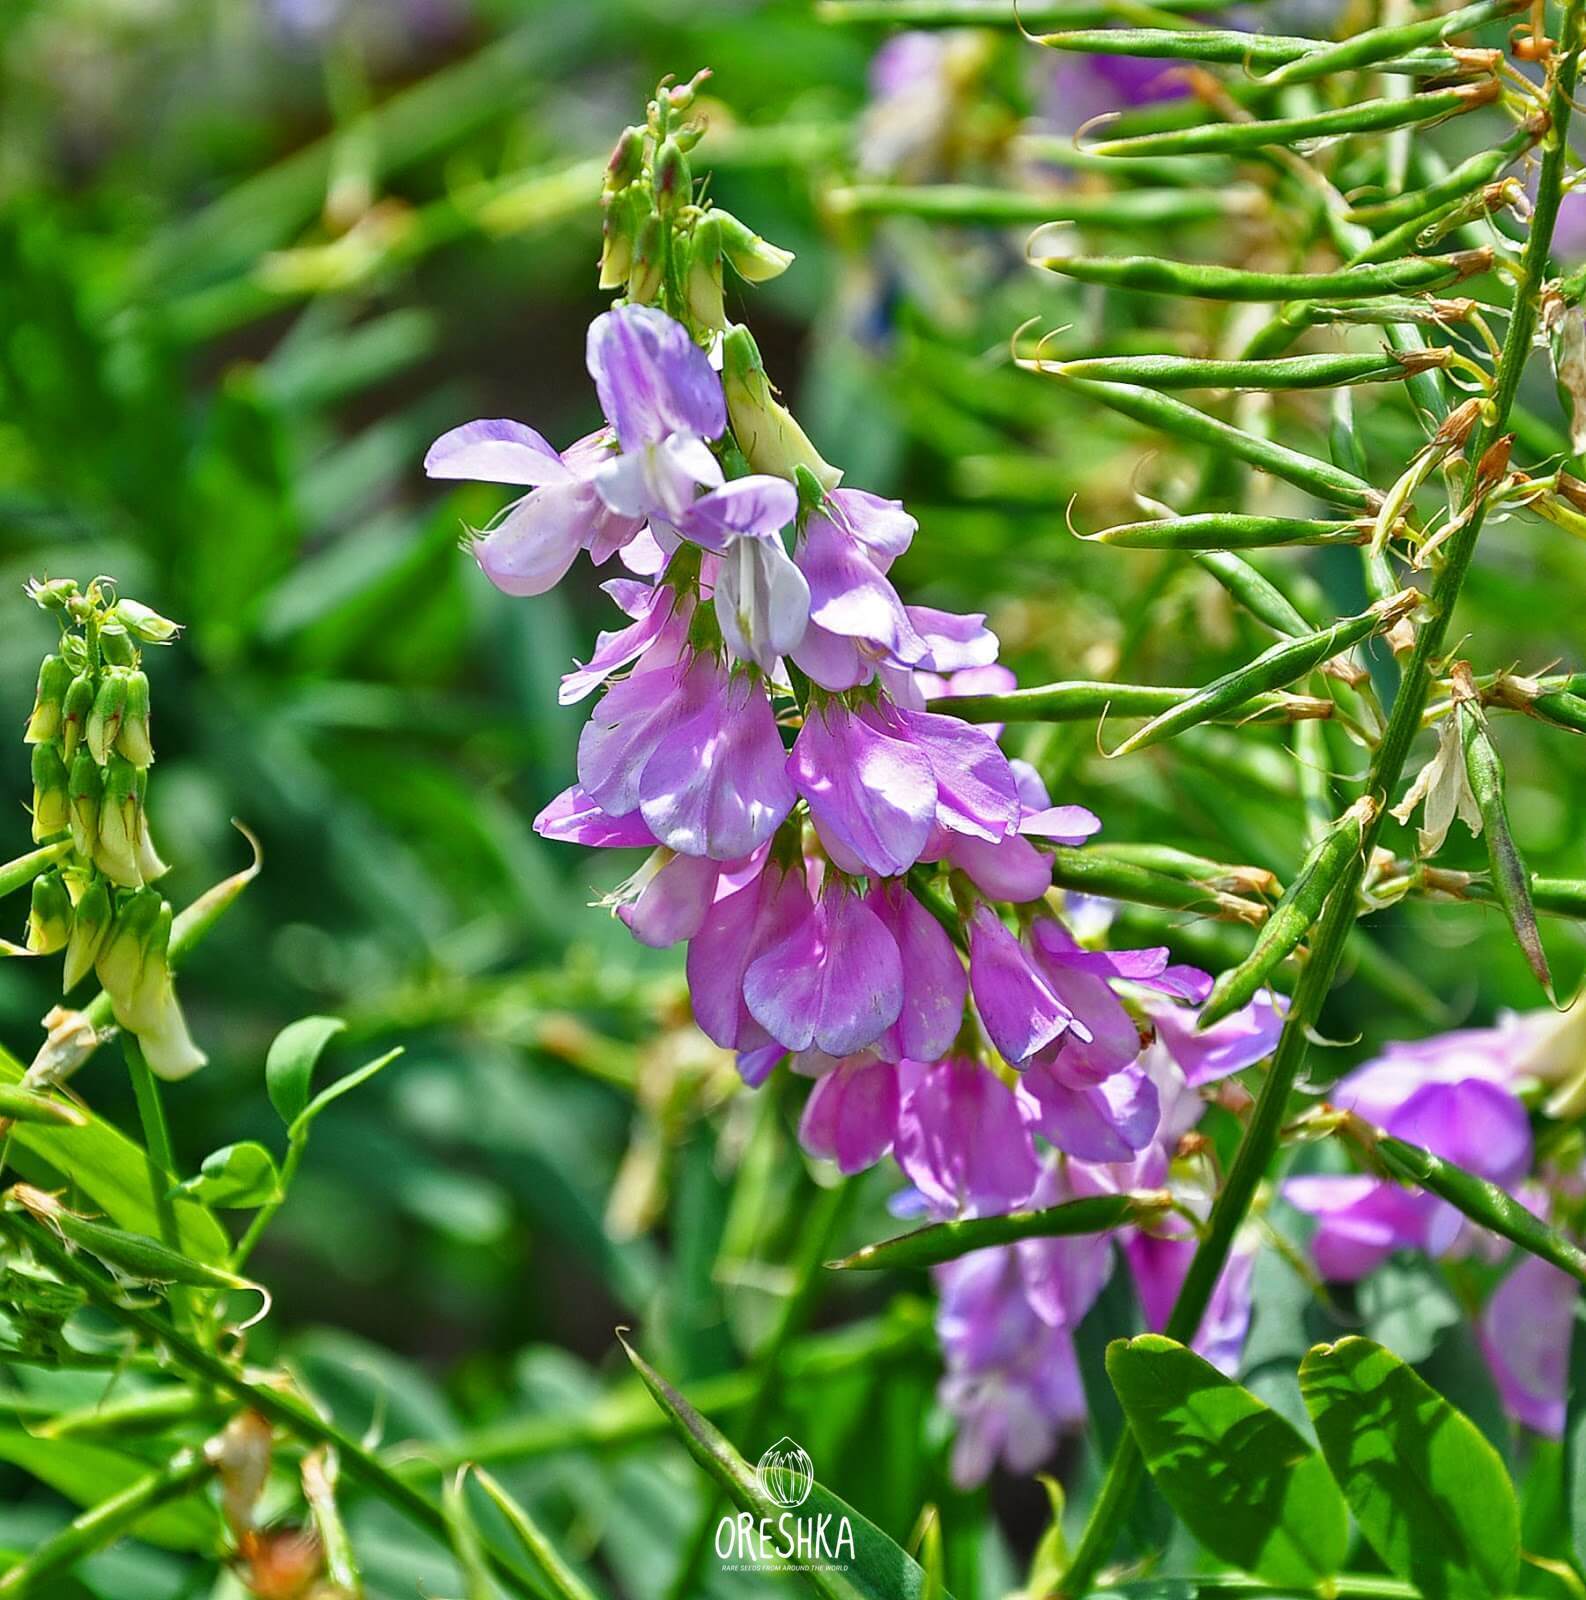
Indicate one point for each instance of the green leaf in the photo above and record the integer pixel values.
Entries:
(1429, 1492)
(85, 1474)
(238, 1176)
(1575, 1431)
(106, 1168)
(289, 1067)
(1245, 1482)
(335, 1091)
(879, 1569)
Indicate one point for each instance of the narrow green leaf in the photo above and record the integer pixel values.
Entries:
(1245, 1482)
(1084, 700)
(333, 1092)
(1186, 422)
(289, 1066)
(87, 1474)
(879, 1569)
(1157, 275)
(1232, 47)
(1122, 209)
(565, 1583)
(946, 1241)
(1429, 1493)
(1575, 1432)
(463, 1536)
(22, 1105)
(112, 1173)
(237, 1177)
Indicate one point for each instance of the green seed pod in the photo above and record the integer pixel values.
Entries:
(770, 438)
(51, 806)
(1225, 530)
(1282, 663)
(75, 711)
(1285, 372)
(1229, 47)
(1184, 421)
(144, 623)
(754, 259)
(120, 825)
(1256, 593)
(1294, 915)
(1082, 700)
(1124, 208)
(1156, 275)
(49, 700)
(1511, 881)
(85, 785)
(90, 923)
(104, 721)
(1085, 872)
(1365, 116)
(133, 740)
(703, 285)
(50, 915)
(1379, 45)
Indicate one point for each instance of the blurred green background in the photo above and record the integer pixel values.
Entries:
(254, 255)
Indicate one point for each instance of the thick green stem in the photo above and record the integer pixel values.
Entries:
(1261, 1136)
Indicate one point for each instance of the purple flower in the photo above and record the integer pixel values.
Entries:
(1158, 1265)
(1239, 1041)
(1021, 1010)
(851, 1116)
(1525, 1335)
(834, 980)
(935, 984)
(694, 748)
(1108, 1121)
(962, 1142)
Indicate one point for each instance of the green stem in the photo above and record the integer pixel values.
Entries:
(265, 1215)
(1261, 1137)
(278, 1407)
(161, 1159)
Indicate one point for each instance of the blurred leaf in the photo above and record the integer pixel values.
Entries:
(1245, 1483)
(333, 1092)
(236, 1177)
(1429, 1493)
(1405, 1305)
(1575, 1431)
(88, 1473)
(289, 1067)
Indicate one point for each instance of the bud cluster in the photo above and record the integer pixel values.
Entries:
(92, 751)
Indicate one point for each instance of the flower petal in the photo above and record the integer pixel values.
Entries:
(495, 450)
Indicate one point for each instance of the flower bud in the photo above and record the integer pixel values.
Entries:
(84, 787)
(149, 862)
(75, 712)
(674, 183)
(680, 96)
(766, 432)
(90, 924)
(133, 740)
(624, 217)
(49, 700)
(167, 1045)
(703, 287)
(104, 721)
(644, 277)
(50, 915)
(115, 645)
(145, 624)
(52, 594)
(627, 160)
(120, 824)
(124, 952)
(51, 808)
(754, 259)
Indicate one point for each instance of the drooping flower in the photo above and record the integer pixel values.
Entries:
(962, 1143)
(851, 1116)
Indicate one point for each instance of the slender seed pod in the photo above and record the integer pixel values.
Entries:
(91, 920)
(1086, 872)
(51, 802)
(120, 825)
(1226, 530)
(1123, 209)
(1376, 46)
(1083, 701)
(49, 700)
(1460, 181)
(49, 915)
(75, 711)
(135, 1255)
(1193, 868)
(1185, 422)
(1282, 663)
(1255, 592)
(133, 740)
(1231, 48)
(104, 721)
(1284, 372)
(1157, 275)
(1294, 915)
(1511, 881)
(1566, 710)
(85, 785)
